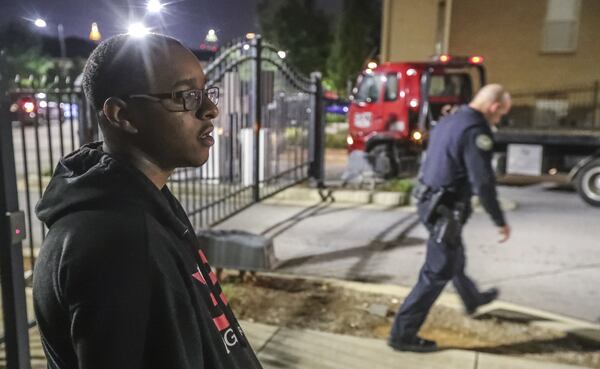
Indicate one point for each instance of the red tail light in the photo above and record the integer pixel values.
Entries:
(28, 106)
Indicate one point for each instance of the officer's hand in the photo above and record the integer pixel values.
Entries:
(504, 232)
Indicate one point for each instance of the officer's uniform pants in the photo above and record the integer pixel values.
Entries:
(443, 262)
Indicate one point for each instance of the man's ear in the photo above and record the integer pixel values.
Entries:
(494, 107)
(115, 111)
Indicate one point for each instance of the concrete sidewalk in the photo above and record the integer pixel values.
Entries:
(305, 349)
(279, 347)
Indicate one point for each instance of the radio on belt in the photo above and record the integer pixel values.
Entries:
(17, 226)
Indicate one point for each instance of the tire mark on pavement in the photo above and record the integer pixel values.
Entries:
(366, 252)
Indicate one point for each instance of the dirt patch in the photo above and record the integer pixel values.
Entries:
(300, 303)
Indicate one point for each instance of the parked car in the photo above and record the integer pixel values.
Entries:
(32, 108)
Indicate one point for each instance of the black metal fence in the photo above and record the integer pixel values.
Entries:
(268, 136)
(568, 108)
(39, 125)
(46, 125)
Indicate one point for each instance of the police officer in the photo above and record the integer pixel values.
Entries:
(457, 165)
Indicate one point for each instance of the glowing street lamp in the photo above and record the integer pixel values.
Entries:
(138, 30)
(282, 54)
(154, 6)
(40, 23)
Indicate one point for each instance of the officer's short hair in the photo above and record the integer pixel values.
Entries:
(121, 65)
(491, 93)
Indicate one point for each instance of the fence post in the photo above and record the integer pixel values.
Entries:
(316, 169)
(256, 114)
(12, 232)
(88, 122)
(595, 104)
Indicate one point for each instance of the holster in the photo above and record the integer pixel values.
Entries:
(443, 211)
(435, 201)
(448, 225)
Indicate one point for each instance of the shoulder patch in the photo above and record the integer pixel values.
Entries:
(484, 142)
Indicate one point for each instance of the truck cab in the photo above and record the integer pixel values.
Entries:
(394, 105)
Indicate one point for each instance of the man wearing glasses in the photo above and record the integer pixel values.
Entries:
(121, 280)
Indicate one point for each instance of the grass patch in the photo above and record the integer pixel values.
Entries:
(334, 118)
(398, 185)
(336, 140)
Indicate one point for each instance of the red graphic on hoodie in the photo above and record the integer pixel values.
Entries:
(221, 321)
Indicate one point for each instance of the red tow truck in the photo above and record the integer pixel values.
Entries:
(393, 106)
(547, 133)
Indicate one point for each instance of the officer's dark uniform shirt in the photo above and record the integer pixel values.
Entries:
(459, 157)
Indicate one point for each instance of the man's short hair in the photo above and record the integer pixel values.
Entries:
(122, 65)
(491, 93)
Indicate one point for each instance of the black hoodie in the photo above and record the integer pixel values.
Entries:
(121, 281)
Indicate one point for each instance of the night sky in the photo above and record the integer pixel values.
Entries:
(187, 20)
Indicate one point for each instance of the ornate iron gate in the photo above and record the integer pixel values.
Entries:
(268, 135)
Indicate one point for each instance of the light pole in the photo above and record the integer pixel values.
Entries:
(40, 23)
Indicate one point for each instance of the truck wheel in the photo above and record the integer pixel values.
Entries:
(588, 183)
(384, 163)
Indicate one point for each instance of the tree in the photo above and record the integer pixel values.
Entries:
(299, 28)
(20, 54)
(356, 40)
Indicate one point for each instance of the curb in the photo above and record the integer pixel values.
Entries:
(381, 198)
(581, 329)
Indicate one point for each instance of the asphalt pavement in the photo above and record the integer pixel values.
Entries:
(551, 262)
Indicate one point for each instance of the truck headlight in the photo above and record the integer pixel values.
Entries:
(398, 125)
(349, 140)
(417, 136)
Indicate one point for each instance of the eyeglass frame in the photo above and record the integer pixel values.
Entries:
(158, 97)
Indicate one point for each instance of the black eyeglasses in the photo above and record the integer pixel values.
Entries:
(190, 100)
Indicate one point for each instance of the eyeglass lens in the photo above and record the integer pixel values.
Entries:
(192, 100)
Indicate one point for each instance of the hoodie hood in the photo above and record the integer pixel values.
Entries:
(90, 179)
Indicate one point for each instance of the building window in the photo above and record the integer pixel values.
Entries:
(561, 26)
(440, 32)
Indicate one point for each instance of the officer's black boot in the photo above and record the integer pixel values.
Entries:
(415, 344)
(486, 297)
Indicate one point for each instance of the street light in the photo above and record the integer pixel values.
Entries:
(154, 6)
(40, 23)
(138, 30)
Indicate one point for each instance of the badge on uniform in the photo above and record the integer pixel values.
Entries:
(484, 142)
